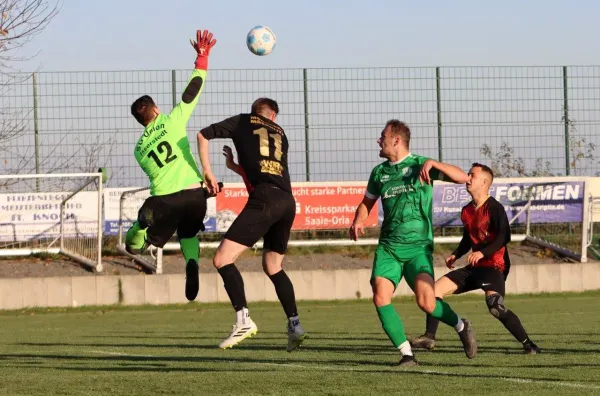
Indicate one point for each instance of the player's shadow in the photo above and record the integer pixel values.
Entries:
(512, 351)
(151, 361)
(248, 346)
(150, 368)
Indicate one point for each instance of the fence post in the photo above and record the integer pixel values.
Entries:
(306, 127)
(567, 122)
(174, 87)
(439, 111)
(36, 131)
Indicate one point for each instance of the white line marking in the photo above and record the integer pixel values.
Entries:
(121, 354)
(360, 369)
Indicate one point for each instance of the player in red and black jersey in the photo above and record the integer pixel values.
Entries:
(487, 234)
(237, 168)
(262, 148)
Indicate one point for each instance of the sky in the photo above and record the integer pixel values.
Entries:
(154, 34)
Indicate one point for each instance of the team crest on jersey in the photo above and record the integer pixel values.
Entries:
(407, 172)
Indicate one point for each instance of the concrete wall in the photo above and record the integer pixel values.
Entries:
(309, 285)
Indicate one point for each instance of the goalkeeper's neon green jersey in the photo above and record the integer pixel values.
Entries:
(163, 151)
(407, 205)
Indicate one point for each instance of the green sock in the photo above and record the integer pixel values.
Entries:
(190, 249)
(444, 313)
(392, 324)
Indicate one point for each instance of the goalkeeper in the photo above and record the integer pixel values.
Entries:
(178, 197)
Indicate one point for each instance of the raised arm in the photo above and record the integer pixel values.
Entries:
(435, 170)
(182, 112)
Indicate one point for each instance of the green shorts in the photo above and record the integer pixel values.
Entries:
(395, 263)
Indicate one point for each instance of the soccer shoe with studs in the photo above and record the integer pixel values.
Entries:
(531, 349)
(240, 332)
(467, 336)
(423, 342)
(192, 280)
(407, 361)
(296, 336)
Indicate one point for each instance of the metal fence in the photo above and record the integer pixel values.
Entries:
(522, 120)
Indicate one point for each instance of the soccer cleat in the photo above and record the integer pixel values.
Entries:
(408, 361)
(531, 349)
(192, 280)
(423, 342)
(467, 336)
(240, 332)
(296, 335)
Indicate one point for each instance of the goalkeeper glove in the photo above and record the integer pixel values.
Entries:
(204, 42)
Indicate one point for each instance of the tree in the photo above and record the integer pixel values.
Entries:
(20, 22)
(504, 163)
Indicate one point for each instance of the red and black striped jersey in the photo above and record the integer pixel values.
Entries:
(486, 230)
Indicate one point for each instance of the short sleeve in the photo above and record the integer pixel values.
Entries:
(221, 130)
(373, 186)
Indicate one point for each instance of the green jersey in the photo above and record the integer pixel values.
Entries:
(163, 151)
(407, 205)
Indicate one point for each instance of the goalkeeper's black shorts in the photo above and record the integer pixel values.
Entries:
(182, 212)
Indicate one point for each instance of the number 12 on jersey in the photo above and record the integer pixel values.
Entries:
(264, 136)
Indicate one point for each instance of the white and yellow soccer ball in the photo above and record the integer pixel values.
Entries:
(261, 40)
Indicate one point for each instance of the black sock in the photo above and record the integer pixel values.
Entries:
(431, 325)
(234, 285)
(513, 324)
(285, 293)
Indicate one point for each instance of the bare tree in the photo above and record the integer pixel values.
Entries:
(21, 21)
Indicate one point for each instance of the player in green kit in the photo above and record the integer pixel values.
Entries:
(405, 249)
(178, 199)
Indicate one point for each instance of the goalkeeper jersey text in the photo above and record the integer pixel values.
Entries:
(163, 151)
(407, 205)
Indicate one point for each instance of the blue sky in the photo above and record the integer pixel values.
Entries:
(153, 34)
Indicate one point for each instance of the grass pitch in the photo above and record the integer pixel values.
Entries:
(172, 350)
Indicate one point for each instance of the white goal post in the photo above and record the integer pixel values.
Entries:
(130, 202)
(56, 214)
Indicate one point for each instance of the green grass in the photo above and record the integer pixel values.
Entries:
(171, 350)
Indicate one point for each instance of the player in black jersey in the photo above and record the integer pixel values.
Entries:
(262, 148)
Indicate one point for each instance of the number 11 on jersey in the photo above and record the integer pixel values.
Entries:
(264, 136)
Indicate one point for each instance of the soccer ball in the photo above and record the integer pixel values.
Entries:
(261, 40)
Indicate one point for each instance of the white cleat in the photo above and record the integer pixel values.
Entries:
(240, 332)
(296, 336)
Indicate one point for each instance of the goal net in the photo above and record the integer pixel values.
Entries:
(130, 203)
(52, 214)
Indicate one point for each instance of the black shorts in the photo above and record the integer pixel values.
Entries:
(473, 278)
(182, 211)
(268, 214)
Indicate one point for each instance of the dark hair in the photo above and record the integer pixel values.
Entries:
(485, 169)
(265, 106)
(142, 110)
(399, 129)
